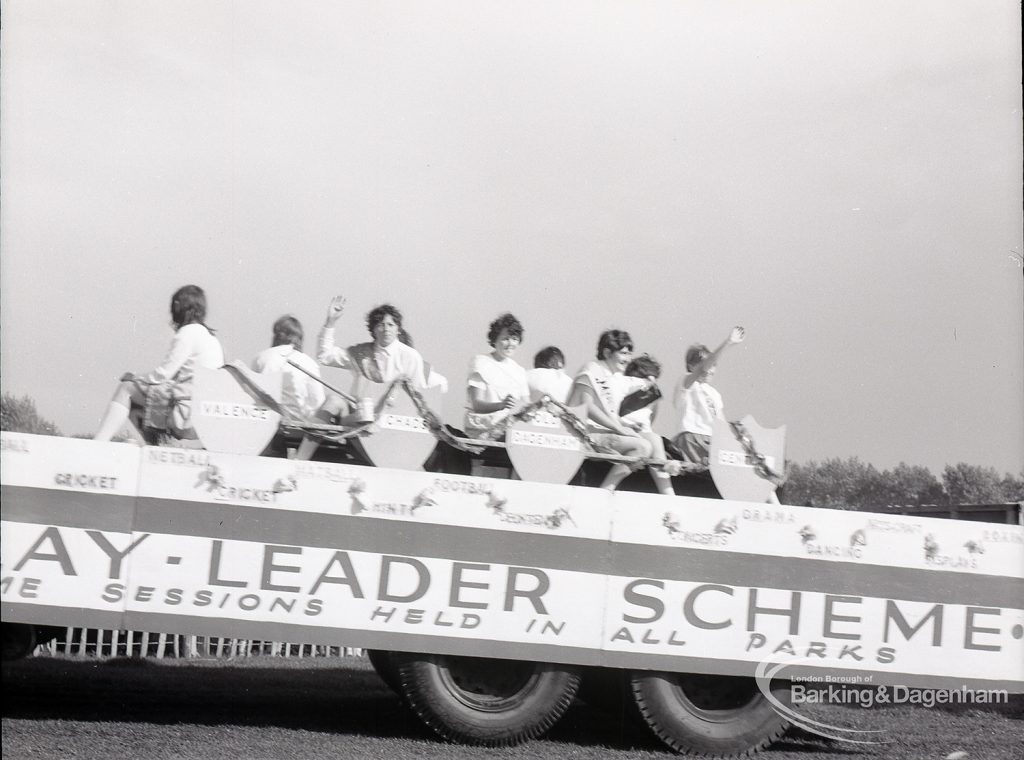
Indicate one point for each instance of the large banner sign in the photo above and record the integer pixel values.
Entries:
(162, 539)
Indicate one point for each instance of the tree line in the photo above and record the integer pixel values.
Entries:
(831, 483)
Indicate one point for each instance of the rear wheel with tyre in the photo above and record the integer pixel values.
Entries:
(709, 715)
(19, 640)
(486, 702)
(384, 664)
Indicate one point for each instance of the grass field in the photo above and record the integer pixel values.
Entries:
(338, 708)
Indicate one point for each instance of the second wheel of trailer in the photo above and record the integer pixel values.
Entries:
(487, 702)
(709, 715)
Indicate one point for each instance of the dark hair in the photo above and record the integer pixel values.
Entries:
(695, 354)
(376, 316)
(644, 365)
(288, 331)
(505, 322)
(613, 340)
(405, 337)
(188, 306)
(550, 357)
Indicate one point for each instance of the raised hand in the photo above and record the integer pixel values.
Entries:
(737, 335)
(335, 310)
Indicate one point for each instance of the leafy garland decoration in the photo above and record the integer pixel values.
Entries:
(760, 464)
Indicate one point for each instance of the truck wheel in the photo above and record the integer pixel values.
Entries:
(384, 664)
(19, 641)
(709, 715)
(493, 703)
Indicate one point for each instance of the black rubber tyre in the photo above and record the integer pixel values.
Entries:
(492, 703)
(19, 640)
(384, 664)
(709, 715)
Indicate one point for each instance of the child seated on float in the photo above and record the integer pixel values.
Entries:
(160, 400)
(600, 387)
(548, 378)
(698, 402)
(301, 393)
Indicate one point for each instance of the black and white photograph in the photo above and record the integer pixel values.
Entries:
(470, 379)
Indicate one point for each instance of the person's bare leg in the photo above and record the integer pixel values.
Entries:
(325, 414)
(662, 480)
(630, 447)
(118, 413)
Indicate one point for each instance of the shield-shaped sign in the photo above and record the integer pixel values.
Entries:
(229, 416)
(400, 436)
(543, 449)
(732, 468)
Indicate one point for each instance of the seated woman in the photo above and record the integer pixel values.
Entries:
(301, 394)
(601, 387)
(640, 408)
(383, 360)
(496, 385)
(548, 378)
(159, 400)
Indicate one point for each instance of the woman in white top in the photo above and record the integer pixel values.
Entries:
(600, 387)
(548, 377)
(160, 399)
(496, 385)
(301, 394)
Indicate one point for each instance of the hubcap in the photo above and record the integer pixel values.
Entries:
(485, 684)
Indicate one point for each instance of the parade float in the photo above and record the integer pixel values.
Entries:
(487, 602)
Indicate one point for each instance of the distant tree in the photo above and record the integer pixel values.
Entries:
(913, 484)
(1013, 487)
(19, 415)
(973, 484)
(852, 484)
(833, 483)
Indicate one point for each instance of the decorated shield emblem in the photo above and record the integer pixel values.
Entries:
(737, 452)
(400, 437)
(229, 415)
(543, 449)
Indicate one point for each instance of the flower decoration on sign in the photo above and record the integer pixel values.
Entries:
(285, 484)
(858, 538)
(559, 516)
(496, 502)
(425, 498)
(807, 534)
(211, 476)
(727, 526)
(671, 523)
(357, 491)
(931, 547)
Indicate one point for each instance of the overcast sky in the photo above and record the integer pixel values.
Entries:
(841, 178)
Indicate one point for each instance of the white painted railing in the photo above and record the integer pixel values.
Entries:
(89, 642)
